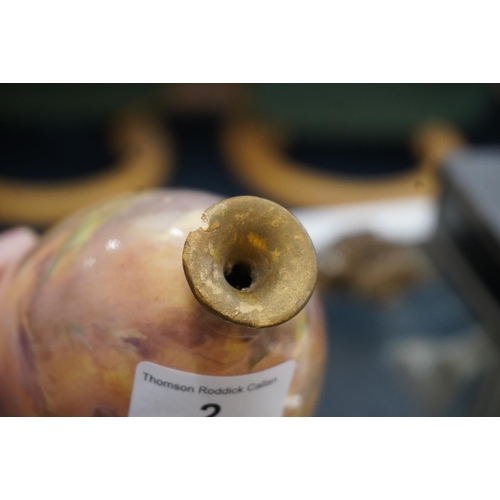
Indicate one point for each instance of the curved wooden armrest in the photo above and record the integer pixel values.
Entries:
(255, 154)
(145, 160)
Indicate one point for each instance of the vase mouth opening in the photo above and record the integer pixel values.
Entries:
(239, 275)
(250, 262)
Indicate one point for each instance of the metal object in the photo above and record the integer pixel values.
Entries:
(466, 247)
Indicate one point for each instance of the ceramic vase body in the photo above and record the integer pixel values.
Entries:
(105, 290)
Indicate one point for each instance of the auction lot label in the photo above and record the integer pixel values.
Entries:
(159, 391)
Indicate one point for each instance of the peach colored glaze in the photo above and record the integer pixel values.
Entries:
(105, 290)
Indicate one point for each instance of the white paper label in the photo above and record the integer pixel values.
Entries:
(163, 392)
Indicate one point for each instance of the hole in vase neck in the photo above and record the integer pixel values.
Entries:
(239, 275)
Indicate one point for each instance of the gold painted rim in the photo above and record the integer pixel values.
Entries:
(251, 262)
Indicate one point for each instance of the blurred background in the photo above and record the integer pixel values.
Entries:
(398, 186)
